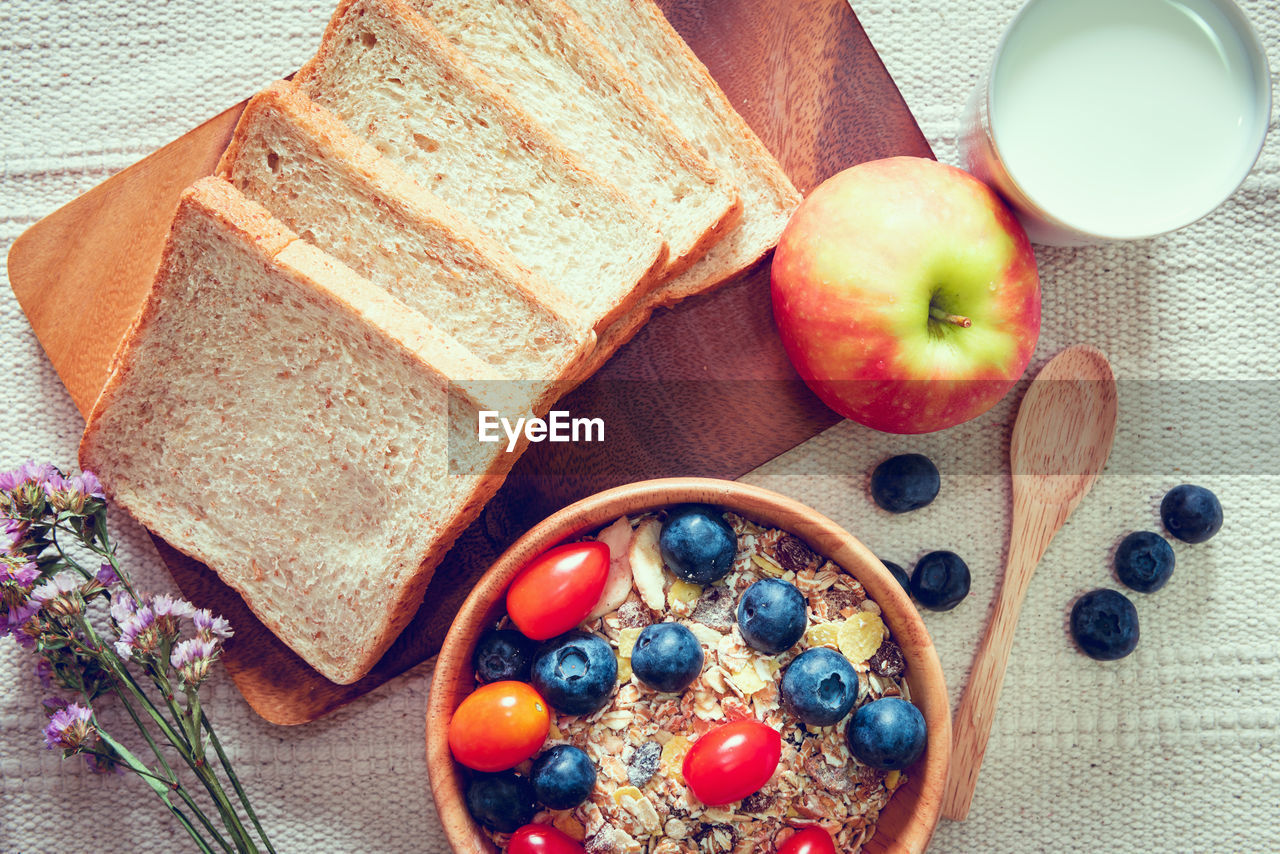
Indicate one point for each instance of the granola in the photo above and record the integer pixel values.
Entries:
(638, 741)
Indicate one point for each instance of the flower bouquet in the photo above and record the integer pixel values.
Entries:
(64, 596)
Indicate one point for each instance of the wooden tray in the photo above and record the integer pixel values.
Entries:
(704, 389)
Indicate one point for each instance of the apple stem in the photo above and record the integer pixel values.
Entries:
(957, 319)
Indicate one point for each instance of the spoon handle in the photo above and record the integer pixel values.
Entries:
(1034, 525)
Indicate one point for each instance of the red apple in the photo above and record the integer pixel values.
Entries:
(906, 294)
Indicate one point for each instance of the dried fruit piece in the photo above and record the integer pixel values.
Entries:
(860, 636)
(627, 641)
(618, 582)
(793, 554)
(644, 763)
(624, 670)
(683, 592)
(646, 564)
(673, 753)
(823, 634)
(888, 660)
(625, 792)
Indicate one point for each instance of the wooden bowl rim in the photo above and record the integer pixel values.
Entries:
(453, 677)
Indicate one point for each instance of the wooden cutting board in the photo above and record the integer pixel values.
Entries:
(704, 389)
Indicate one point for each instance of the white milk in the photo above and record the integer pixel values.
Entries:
(1124, 117)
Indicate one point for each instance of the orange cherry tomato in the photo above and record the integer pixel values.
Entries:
(732, 761)
(498, 726)
(811, 840)
(542, 839)
(557, 590)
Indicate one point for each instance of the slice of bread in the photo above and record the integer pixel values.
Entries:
(543, 55)
(337, 192)
(286, 422)
(397, 82)
(668, 72)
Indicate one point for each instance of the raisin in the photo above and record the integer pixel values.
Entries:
(643, 763)
(758, 802)
(793, 554)
(888, 660)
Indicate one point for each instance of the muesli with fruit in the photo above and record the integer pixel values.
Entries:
(686, 681)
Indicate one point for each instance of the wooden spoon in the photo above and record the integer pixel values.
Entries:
(1061, 441)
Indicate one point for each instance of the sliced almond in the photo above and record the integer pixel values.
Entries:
(618, 584)
(646, 564)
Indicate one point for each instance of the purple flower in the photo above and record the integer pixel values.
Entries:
(28, 472)
(106, 575)
(192, 657)
(16, 570)
(44, 672)
(71, 493)
(122, 608)
(69, 728)
(169, 612)
(137, 633)
(59, 595)
(209, 626)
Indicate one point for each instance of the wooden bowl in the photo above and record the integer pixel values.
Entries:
(905, 825)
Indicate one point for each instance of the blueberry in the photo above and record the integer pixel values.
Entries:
(1105, 625)
(697, 543)
(905, 482)
(1191, 513)
(899, 574)
(666, 657)
(1144, 561)
(563, 777)
(888, 733)
(771, 615)
(503, 654)
(819, 687)
(575, 673)
(504, 802)
(940, 581)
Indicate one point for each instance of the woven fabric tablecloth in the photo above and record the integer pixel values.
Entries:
(1175, 748)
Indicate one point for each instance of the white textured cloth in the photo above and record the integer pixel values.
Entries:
(1172, 749)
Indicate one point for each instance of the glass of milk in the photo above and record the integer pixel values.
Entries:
(1106, 120)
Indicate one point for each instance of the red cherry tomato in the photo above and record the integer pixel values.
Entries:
(558, 589)
(811, 840)
(732, 761)
(498, 726)
(542, 839)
